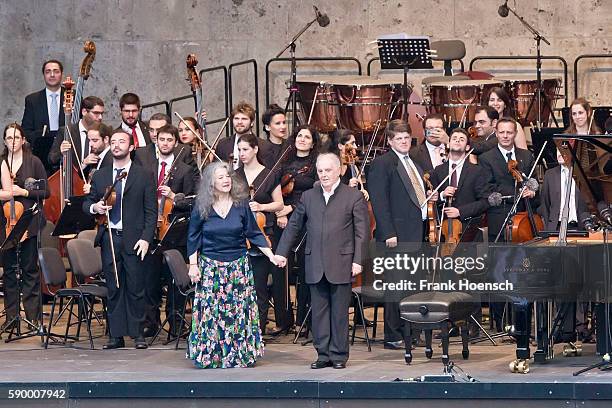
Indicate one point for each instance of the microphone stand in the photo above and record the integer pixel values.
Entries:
(539, 93)
(293, 90)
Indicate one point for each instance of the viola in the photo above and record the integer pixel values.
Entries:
(260, 217)
(288, 180)
(165, 204)
(13, 210)
(525, 225)
(348, 157)
(432, 213)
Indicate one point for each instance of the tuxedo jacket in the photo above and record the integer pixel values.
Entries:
(420, 155)
(550, 207)
(471, 195)
(55, 155)
(394, 201)
(139, 214)
(184, 178)
(36, 114)
(337, 233)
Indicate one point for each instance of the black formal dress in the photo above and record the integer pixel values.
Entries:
(31, 167)
(138, 216)
(262, 267)
(270, 153)
(337, 233)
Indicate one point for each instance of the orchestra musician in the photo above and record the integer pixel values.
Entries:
(242, 117)
(581, 119)
(19, 167)
(432, 152)
(298, 174)
(499, 100)
(340, 138)
(397, 193)
(92, 111)
(129, 103)
(275, 125)
(467, 185)
(178, 187)
(485, 121)
(267, 198)
(156, 122)
(99, 145)
(136, 202)
(43, 110)
(336, 220)
(225, 320)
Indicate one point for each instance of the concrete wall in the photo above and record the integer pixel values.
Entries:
(142, 44)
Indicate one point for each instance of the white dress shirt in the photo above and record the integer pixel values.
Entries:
(141, 140)
(504, 152)
(327, 195)
(572, 200)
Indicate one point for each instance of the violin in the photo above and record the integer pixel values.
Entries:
(525, 225)
(432, 213)
(450, 229)
(348, 157)
(260, 217)
(13, 210)
(288, 180)
(166, 205)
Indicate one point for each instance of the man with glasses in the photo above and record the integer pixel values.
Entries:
(42, 117)
(485, 121)
(92, 111)
(432, 152)
(129, 103)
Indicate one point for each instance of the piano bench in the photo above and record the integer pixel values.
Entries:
(437, 310)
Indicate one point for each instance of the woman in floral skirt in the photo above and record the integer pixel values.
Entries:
(225, 328)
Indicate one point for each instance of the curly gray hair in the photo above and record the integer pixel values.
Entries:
(206, 190)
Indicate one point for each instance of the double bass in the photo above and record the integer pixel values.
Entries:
(68, 181)
(196, 89)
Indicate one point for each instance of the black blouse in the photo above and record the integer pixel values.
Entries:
(305, 172)
(263, 193)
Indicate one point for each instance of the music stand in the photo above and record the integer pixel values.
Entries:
(73, 219)
(405, 53)
(13, 240)
(539, 137)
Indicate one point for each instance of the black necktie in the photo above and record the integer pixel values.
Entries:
(453, 181)
(509, 156)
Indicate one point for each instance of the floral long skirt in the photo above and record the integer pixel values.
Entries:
(225, 325)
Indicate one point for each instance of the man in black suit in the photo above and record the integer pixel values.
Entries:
(99, 150)
(242, 117)
(43, 112)
(92, 111)
(553, 199)
(129, 103)
(397, 193)
(485, 121)
(181, 183)
(336, 220)
(467, 185)
(432, 152)
(495, 166)
(137, 203)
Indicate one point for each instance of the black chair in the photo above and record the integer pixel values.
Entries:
(437, 310)
(365, 296)
(54, 275)
(180, 276)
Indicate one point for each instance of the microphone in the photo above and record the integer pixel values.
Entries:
(34, 184)
(532, 185)
(503, 10)
(322, 18)
(605, 212)
(495, 199)
(591, 223)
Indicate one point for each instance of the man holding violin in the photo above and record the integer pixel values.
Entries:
(134, 200)
(175, 180)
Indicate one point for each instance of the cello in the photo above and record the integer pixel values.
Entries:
(525, 225)
(67, 181)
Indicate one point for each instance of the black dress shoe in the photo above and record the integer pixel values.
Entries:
(320, 364)
(114, 343)
(394, 345)
(140, 343)
(149, 332)
(339, 365)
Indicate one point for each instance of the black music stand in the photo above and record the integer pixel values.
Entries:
(405, 53)
(73, 219)
(13, 240)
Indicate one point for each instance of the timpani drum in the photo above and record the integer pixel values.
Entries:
(320, 103)
(457, 100)
(522, 91)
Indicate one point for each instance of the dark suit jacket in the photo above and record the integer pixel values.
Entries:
(55, 155)
(551, 199)
(396, 208)
(471, 195)
(483, 145)
(225, 148)
(184, 178)
(145, 132)
(107, 160)
(36, 114)
(139, 214)
(420, 155)
(337, 233)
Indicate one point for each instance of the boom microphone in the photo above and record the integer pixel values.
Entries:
(503, 9)
(532, 185)
(33, 184)
(605, 212)
(322, 18)
(495, 199)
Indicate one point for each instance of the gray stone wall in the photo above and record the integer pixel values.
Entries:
(142, 44)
